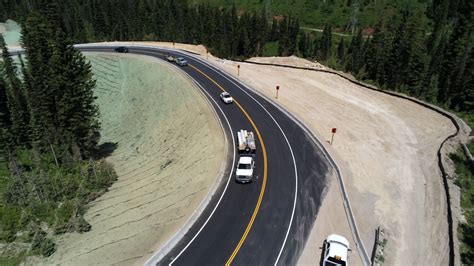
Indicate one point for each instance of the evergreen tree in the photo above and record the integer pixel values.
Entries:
(457, 53)
(326, 43)
(341, 51)
(41, 98)
(6, 143)
(16, 99)
(355, 53)
(274, 34)
(304, 45)
(64, 117)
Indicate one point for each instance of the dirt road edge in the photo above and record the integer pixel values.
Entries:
(460, 136)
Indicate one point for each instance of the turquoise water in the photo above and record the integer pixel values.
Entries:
(12, 34)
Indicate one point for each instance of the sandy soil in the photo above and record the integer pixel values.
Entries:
(289, 61)
(387, 147)
(169, 154)
(329, 220)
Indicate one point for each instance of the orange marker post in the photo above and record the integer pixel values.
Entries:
(333, 130)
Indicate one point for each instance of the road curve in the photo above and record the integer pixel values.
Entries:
(267, 221)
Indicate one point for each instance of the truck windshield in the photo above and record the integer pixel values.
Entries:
(244, 166)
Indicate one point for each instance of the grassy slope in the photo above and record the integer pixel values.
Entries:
(316, 13)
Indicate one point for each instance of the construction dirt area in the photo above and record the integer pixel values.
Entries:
(387, 150)
(160, 123)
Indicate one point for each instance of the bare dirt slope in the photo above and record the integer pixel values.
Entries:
(161, 123)
(387, 148)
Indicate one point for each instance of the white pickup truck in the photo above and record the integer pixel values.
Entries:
(336, 249)
(244, 172)
(246, 141)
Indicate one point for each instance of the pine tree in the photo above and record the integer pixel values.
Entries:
(36, 42)
(64, 117)
(16, 98)
(6, 143)
(355, 53)
(326, 43)
(341, 51)
(303, 45)
(457, 53)
(77, 113)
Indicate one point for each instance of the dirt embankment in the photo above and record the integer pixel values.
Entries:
(387, 149)
(169, 153)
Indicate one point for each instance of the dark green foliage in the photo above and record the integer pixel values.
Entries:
(341, 51)
(42, 245)
(465, 180)
(355, 53)
(323, 49)
(16, 104)
(6, 136)
(48, 160)
(10, 217)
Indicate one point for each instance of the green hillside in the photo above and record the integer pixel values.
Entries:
(342, 14)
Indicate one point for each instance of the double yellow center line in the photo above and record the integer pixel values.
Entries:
(262, 190)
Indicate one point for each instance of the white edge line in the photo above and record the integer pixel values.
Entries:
(360, 246)
(292, 155)
(153, 260)
(213, 68)
(226, 186)
(346, 202)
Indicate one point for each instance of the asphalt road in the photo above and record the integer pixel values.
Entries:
(283, 203)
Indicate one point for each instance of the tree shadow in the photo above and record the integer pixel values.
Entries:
(106, 149)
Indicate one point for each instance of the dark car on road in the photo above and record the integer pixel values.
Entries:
(121, 49)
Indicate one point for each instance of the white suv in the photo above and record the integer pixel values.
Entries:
(226, 98)
(336, 248)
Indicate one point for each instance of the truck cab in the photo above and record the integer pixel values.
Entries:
(336, 249)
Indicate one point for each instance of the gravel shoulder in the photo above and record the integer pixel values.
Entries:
(161, 124)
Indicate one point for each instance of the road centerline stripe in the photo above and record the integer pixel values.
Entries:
(264, 182)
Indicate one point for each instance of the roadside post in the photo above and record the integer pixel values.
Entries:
(173, 44)
(238, 70)
(277, 89)
(333, 130)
